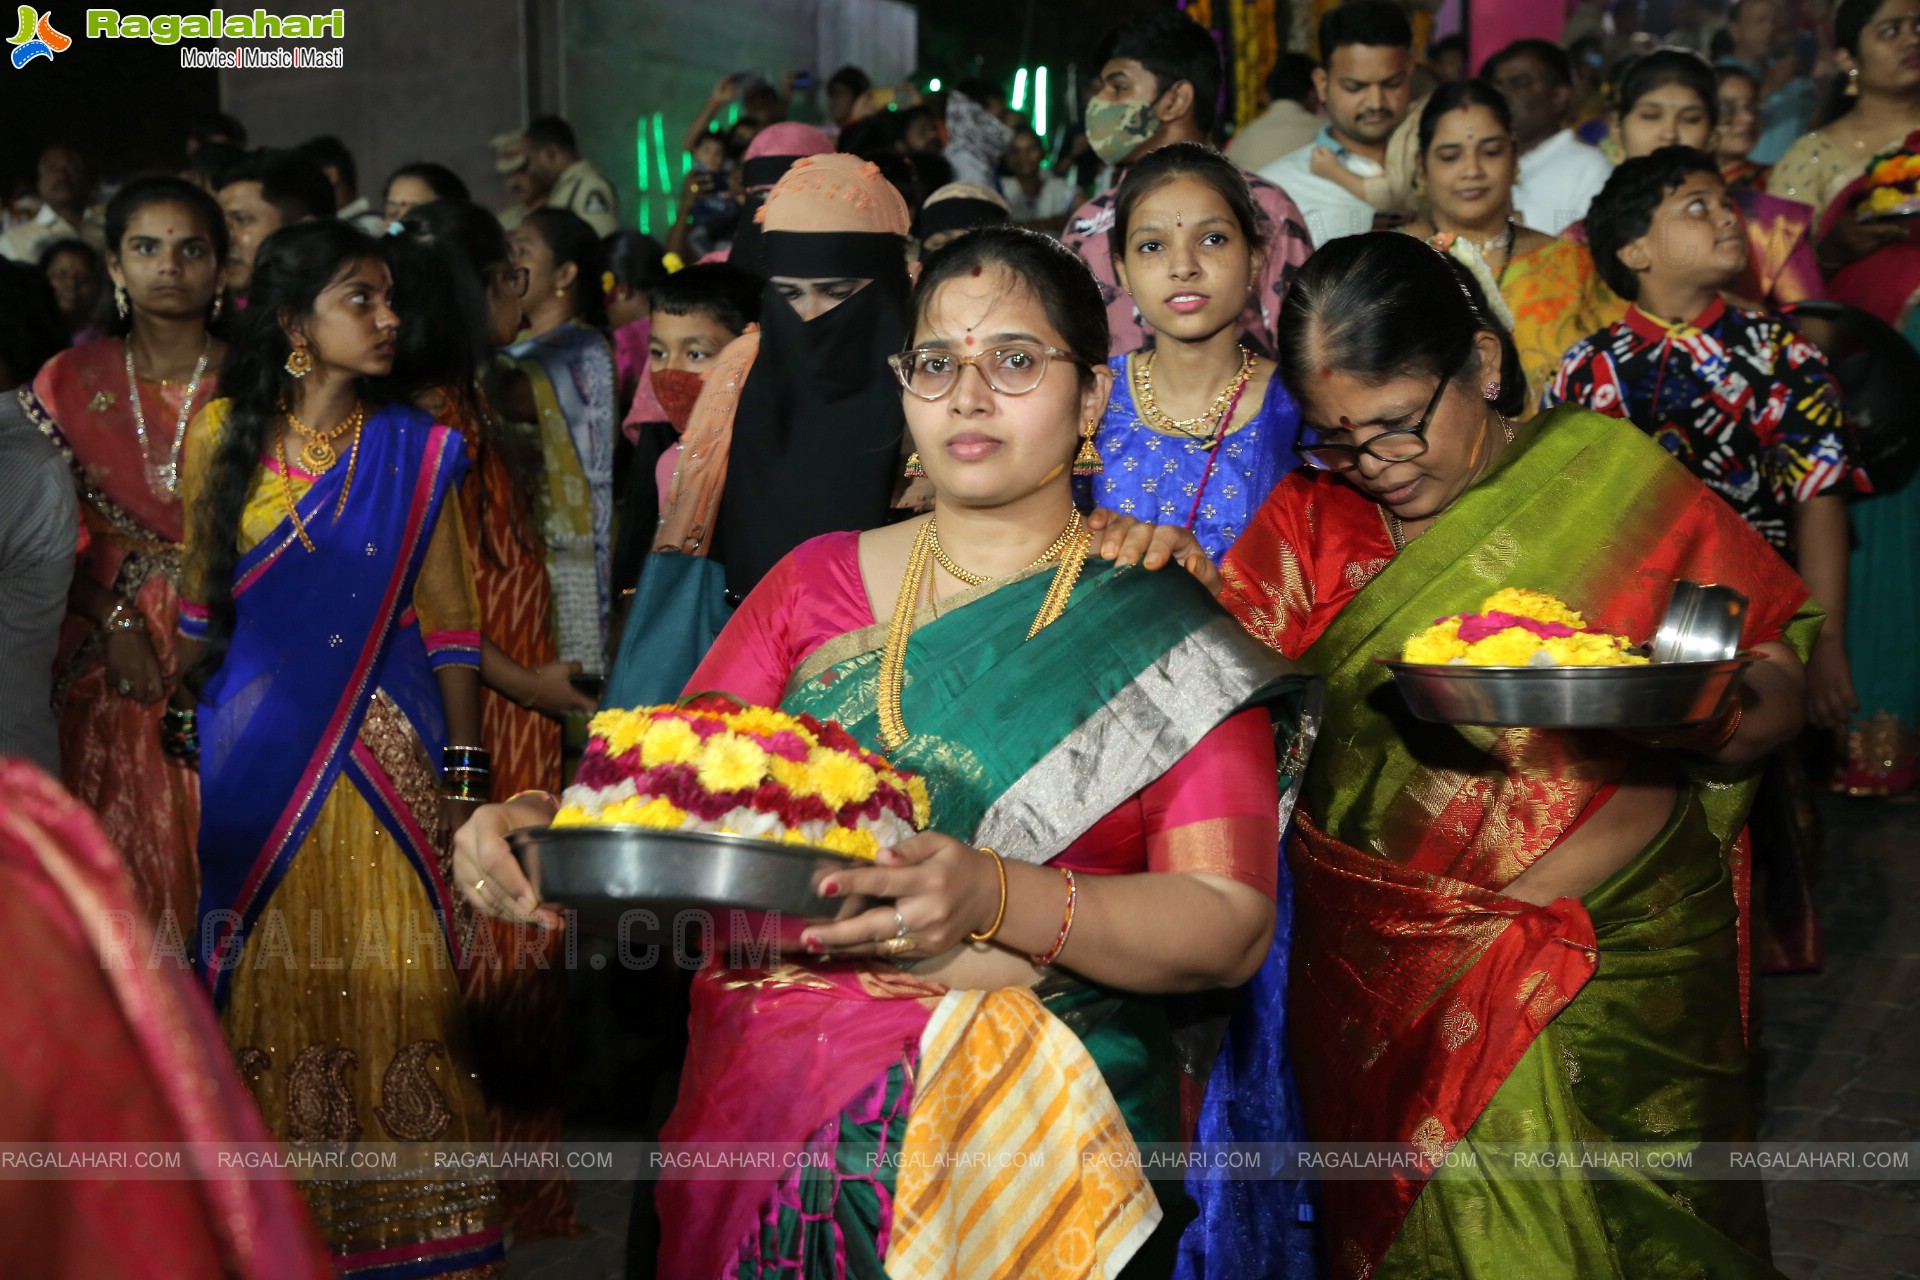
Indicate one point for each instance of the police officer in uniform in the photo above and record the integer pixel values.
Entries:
(555, 164)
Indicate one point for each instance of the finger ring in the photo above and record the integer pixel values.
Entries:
(478, 885)
(125, 688)
(899, 924)
(894, 946)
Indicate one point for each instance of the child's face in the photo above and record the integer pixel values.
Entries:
(710, 153)
(1695, 239)
(687, 343)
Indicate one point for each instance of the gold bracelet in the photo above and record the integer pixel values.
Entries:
(1000, 865)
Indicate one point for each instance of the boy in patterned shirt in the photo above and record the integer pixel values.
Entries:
(1739, 397)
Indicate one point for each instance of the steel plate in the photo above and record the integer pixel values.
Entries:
(1657, 695)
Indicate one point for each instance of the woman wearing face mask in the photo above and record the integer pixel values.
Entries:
(569, 369)
(120, 410)
(1671, 98)
(329, 618)
(1198, 429)
(1558, 909)
(1028, 968)
(1547, 287)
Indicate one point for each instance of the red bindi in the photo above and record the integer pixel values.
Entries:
(976, 270)
(969, 339)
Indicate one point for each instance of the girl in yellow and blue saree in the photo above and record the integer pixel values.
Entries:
(1103, 737)
(328, 607)
(1522, 935)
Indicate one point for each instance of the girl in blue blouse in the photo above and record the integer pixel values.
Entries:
(1198, 429)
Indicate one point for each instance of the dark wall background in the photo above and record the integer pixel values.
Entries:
(125, 103)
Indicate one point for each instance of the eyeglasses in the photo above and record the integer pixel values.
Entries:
(513, 278)
(1012, 369)
(1397, 445)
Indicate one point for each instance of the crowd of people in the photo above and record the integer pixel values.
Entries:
(326, 518)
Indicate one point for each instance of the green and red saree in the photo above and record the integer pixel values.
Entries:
(1430, 1008)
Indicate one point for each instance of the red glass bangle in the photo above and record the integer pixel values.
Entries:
(1066, 925)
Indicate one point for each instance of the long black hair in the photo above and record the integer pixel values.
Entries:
(442, 256)
(1384, 305)
(144, 193)
(636, 259)
(571, 239)
(1850, 21)
(294, 265)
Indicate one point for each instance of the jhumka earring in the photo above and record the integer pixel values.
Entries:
(1853, 83)
(120, 300)
(915, 470)
(299, 362)
(219, 305)
(1491, 391)
(1088, 462)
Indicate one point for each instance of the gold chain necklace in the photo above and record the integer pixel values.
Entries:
(1196, 428)
(318, 453)
(972, 579)
(356, 420)
(1074, 544)
(1396, 532)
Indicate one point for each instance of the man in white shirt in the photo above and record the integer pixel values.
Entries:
(65, 212)
(1559, 174)
(1290, 123)
(1367, 85)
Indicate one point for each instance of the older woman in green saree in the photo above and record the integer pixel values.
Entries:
(1519, 935)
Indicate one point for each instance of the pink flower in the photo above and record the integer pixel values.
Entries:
(1475, 627)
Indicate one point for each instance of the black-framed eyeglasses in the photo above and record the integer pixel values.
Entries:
(513, 278)
(1011, 368)
(1397, 445)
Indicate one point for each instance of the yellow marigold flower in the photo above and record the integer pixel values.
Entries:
(838, 778)
(572, 815)
(791, 774)
(922, 803)
(760, 720)
(852, 843)
(640, 811)
(1591, 649)
(621, 730)
(732, 763)
(1438, 644)
(669, 742)
(1513, 647)
(1537, 605)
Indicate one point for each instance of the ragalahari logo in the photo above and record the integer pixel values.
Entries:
(37, 38)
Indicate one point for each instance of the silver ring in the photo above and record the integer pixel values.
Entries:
(899, 924)
(125, 688)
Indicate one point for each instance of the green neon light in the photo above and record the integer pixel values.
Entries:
(660, 150)
(640, 151)
(1019, 100)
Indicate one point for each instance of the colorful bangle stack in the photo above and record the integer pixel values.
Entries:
(180, 733)
(467, 773)
(1066, 925)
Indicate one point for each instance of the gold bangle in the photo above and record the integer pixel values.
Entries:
(999, 865)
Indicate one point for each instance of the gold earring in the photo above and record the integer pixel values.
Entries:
(120, 300)
(219, 304)
(559, 293)
(1853, 83)
(915, 470)
(299, 362)
(1088, 461)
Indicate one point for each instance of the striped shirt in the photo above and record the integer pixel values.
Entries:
(39, 528)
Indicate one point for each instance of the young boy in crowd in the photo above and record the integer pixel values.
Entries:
(1739, 397)
(697, 311)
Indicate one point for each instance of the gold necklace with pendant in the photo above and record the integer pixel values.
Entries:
(317, 452)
